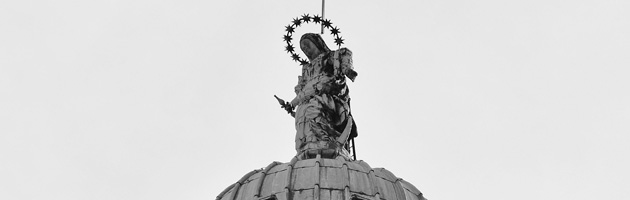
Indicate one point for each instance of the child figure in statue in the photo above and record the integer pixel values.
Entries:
(322, 119)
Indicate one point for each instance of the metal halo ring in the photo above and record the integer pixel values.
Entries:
(305, 19)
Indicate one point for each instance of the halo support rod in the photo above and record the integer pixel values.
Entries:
(323, 13)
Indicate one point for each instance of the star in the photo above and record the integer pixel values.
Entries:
(295, 57)
(317, 19)
(287, 38)
(338, 41)
(303, 62)
(334, 31)
(289, 28)
(306, 18)
(289, 47)
(327, 23)
(297, 21)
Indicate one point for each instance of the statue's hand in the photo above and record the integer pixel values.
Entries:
(287, 106)
(294, 102)
(350, 73)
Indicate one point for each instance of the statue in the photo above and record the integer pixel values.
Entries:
(322, 104)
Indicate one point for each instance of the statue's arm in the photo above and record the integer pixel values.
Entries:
(299, 85)
(306, 92)
(319, 85)
(345, 63)
(299, 89)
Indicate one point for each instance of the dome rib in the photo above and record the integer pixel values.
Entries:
(262, 178)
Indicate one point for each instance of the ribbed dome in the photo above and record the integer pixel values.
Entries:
(321, 179)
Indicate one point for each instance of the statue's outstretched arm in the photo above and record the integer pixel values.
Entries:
(319, 85)
(307, 92)
(343, 63)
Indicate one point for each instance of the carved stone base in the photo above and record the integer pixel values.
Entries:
(323, 149)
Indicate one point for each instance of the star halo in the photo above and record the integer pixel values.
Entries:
(305, 19)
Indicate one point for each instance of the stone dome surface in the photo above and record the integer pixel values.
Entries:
(321, 179)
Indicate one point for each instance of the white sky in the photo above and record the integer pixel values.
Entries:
(174, 99)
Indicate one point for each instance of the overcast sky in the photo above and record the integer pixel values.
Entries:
(139, 99)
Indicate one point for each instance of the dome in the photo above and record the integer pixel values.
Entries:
(321, 179)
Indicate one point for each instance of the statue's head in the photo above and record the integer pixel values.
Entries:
(312, 45)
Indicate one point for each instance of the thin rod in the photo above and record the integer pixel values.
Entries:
(323, 13)
(354, 151)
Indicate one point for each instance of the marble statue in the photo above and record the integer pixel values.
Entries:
(322, 104)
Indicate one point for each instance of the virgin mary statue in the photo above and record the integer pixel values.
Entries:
(323, 120)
